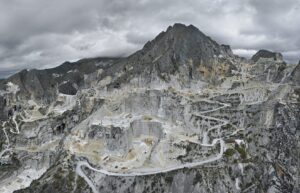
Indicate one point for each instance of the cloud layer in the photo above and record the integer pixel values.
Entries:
(43, 33)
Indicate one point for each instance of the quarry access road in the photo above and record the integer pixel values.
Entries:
(147, 172)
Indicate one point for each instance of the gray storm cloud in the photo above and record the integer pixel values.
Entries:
(43, 33)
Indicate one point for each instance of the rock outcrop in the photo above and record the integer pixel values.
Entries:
(295, 75)
(269, 66)
(42, 84)
(267, 54)
(181, 49)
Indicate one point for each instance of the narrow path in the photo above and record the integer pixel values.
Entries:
(134, 174)
(4, 151)
(224, 105)
(17, 131)
(17, 126)
(146, 173)
(7, 141)
(7, 138)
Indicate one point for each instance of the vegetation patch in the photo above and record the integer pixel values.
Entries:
(229, 152)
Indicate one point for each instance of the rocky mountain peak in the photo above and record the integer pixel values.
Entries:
(181, 48)
(267, 54)
(187, 40)
(182, 27)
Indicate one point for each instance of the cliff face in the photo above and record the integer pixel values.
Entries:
(295, 75)
(181, 52)
(182, 49)
(266, 54)
(182, 115)
(41, 85)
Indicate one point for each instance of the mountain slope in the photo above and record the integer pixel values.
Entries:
(182, 115)
(180, 50)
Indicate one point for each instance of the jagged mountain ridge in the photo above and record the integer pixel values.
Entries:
(40, 83)
(180, 48)
(181, 115)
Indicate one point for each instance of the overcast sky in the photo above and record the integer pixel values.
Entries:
(45, 33)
